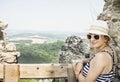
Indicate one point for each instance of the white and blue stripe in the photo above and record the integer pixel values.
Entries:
(103, 77)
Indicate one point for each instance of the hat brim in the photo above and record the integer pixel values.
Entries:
(98, 33)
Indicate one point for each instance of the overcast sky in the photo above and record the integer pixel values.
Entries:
(50, 15)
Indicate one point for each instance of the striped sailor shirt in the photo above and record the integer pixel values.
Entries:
(103, 77)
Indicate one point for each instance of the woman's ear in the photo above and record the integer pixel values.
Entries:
(106, 38)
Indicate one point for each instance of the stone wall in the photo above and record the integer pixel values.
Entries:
(8, 52)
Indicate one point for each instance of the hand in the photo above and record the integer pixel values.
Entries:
(77, 67)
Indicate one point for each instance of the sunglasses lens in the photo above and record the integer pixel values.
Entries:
(89, 36)
(96, 37)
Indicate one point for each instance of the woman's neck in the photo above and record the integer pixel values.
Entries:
(100, 48)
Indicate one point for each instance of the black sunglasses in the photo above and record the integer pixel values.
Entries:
(96, 37)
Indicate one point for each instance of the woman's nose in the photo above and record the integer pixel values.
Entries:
(92, 38)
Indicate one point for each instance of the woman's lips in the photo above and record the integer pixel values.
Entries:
(93, 43)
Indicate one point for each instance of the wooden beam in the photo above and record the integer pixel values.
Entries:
(43, 70)
(13, 72)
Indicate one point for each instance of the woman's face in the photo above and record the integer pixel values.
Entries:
(96, 41)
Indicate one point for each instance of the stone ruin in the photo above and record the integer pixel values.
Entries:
(8, 53)
(111, 15)
(73, 49)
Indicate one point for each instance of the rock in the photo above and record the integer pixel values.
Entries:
(8, 53)
(9, 57)
(73, 49)
(3, 24)
(10, 47)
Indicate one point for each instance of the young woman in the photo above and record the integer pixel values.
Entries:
(100, 68)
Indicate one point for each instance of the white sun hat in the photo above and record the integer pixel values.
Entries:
(99, 30)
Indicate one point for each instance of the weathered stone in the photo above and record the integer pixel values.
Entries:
(8, 53)
(9, 57)
(10, 47)
(118, 65)
(7, 47)
(73, 49)
(3, 24)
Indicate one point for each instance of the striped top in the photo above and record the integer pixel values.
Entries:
(102, 77)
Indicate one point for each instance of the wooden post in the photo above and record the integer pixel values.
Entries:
(11, 73)
(71, 75)
(1, 71)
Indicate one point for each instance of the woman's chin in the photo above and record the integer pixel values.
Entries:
(94, 46)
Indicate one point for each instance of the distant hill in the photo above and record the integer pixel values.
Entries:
(39, 37)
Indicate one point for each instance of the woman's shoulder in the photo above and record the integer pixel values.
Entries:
(101, 57)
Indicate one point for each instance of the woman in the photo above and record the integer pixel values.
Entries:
(100, 68)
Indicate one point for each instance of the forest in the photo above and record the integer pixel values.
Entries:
(39, 53)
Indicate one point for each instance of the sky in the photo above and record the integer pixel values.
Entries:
(50, 15)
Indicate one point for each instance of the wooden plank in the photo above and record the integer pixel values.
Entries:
(11, 73)
(71, 74)
(43, 70)
(1, 71)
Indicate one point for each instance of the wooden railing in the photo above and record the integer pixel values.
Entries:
(15, 72)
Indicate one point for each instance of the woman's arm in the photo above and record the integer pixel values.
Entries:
(97, 65)
(84, 60)
(78, 66)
